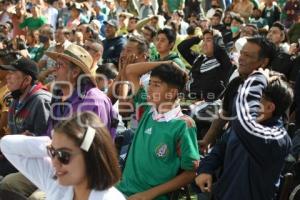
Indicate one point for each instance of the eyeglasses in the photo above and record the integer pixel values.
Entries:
(63, 156)
(58, 65)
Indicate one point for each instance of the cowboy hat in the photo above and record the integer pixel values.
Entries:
(77, 55)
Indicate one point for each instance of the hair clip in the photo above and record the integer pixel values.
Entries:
(88, 139)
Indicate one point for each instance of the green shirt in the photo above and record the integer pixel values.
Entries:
(174, 5)
(174, 57)
(260, 23)
(153, 54)
(34, 53)
(33, 23)
(160, 149)
(39, 53)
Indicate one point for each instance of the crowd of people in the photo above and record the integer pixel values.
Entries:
(137, 99)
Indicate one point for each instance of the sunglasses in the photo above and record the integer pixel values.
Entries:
(62, 156)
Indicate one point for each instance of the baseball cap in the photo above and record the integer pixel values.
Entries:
(112, 22)
(95, 25)
(97, 4)
(24, 65)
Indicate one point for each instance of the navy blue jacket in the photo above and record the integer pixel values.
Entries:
(112, 49)
(252, 154)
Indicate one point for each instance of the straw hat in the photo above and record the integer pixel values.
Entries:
(77, 55)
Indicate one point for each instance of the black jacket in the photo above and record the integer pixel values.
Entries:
(209, 75)
(283, 63)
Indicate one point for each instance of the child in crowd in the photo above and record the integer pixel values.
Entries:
(164, 151)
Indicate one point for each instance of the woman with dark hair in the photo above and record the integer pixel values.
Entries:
(81, 163)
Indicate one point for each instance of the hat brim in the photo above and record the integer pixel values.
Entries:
(8, 67)
(105, 23)
(82, 66)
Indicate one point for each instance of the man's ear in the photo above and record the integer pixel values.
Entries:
(109, 82)
(265, 63)
(282, 36)
(270, 107)
(75, 72)
(171, 45)
(28, 80)
(172, 93)
(98, 55)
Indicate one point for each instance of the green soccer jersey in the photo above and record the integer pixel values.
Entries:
(33, 23)
(163, 145)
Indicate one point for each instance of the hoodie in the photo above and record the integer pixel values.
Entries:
(32, 113)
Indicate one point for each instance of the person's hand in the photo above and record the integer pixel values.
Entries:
(93, 12)
(204, 182)
(24, 53)
(124, 61)
(87, 5)
(22, 37)
(204, 145)
(265, 72)
(141, 196)
(293, 49)
(132, 58)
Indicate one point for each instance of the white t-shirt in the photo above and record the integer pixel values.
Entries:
(29, 155)
(51, 14)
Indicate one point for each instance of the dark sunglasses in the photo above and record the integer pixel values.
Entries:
(62, 156)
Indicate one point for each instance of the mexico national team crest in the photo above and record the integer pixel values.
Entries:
(162, 150)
